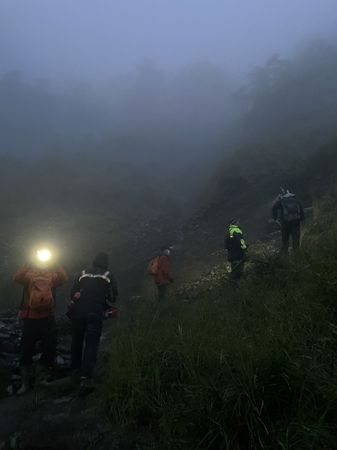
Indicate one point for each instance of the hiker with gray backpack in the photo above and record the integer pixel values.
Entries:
(288, 212)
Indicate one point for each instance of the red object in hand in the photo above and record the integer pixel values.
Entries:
(111, 313)
(72, 303)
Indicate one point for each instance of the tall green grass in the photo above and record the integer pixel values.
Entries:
(242, 368)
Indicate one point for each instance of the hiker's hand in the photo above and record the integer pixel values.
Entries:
(19, 319)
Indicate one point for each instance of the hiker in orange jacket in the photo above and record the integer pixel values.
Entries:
(162, 276)
(37, 311)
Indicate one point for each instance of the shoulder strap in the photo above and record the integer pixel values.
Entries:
(104, 276)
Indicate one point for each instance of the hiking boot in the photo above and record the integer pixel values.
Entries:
(25, 375)
(23, 389)
(75, 376)
(86, 387)
(43, 375)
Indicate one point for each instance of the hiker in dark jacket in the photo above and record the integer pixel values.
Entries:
(93, 292)
(236, 249)
(288, 212)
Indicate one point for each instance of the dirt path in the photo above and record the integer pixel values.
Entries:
(12, 413)
(52, 417)
(46, 419)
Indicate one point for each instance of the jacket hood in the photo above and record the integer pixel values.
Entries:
(288, 195)
(101, 261)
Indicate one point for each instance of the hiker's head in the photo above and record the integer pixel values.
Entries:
(285, 192)
(101, 261)
(37, 267)
(235, 221)
(43, 258)
(44, 255)
(282, 191)
(165, 250)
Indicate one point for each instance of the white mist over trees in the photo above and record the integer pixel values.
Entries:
(168, 108)
(134, 155)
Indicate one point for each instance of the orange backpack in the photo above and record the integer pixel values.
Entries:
(41, 298)
(152, 268)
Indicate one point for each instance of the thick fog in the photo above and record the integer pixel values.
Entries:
(151, 77)
(115, 116)
(86, 40)
(149, 82)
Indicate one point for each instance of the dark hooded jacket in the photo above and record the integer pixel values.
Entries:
(97, 287)
(287, 205)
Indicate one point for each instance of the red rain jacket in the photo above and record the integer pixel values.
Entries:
(163, 274)
(25, 276)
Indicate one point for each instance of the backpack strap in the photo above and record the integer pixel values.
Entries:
(104, 276)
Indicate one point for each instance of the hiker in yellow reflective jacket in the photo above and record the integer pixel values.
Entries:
(236, 249)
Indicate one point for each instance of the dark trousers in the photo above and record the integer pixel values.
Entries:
(162, 290)
(293, 230)
(86, 334)
(43, 331)
(237, 269)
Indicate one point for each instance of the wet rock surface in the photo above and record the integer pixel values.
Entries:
(47, 417)
(72, 425)
(43, 420)
(10, 340)
(10, 344)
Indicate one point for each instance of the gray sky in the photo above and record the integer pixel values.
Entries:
(92, 39)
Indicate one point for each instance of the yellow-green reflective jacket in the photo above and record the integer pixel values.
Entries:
(234, 229)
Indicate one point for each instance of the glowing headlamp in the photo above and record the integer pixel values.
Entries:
(44, 255)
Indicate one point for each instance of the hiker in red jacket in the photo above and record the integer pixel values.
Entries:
(38, 314)
(160, 268)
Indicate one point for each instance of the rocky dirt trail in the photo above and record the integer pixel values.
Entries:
(51, 417)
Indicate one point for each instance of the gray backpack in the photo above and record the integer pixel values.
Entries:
(291, 209)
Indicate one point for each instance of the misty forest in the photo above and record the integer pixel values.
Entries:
(146, 132)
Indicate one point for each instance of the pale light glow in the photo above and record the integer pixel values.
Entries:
(44, 255)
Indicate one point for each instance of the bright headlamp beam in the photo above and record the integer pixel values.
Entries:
(44, 255)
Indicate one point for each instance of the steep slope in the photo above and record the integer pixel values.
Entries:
(235, 368)
(283, 138)
(215, 366)
(245, 187)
